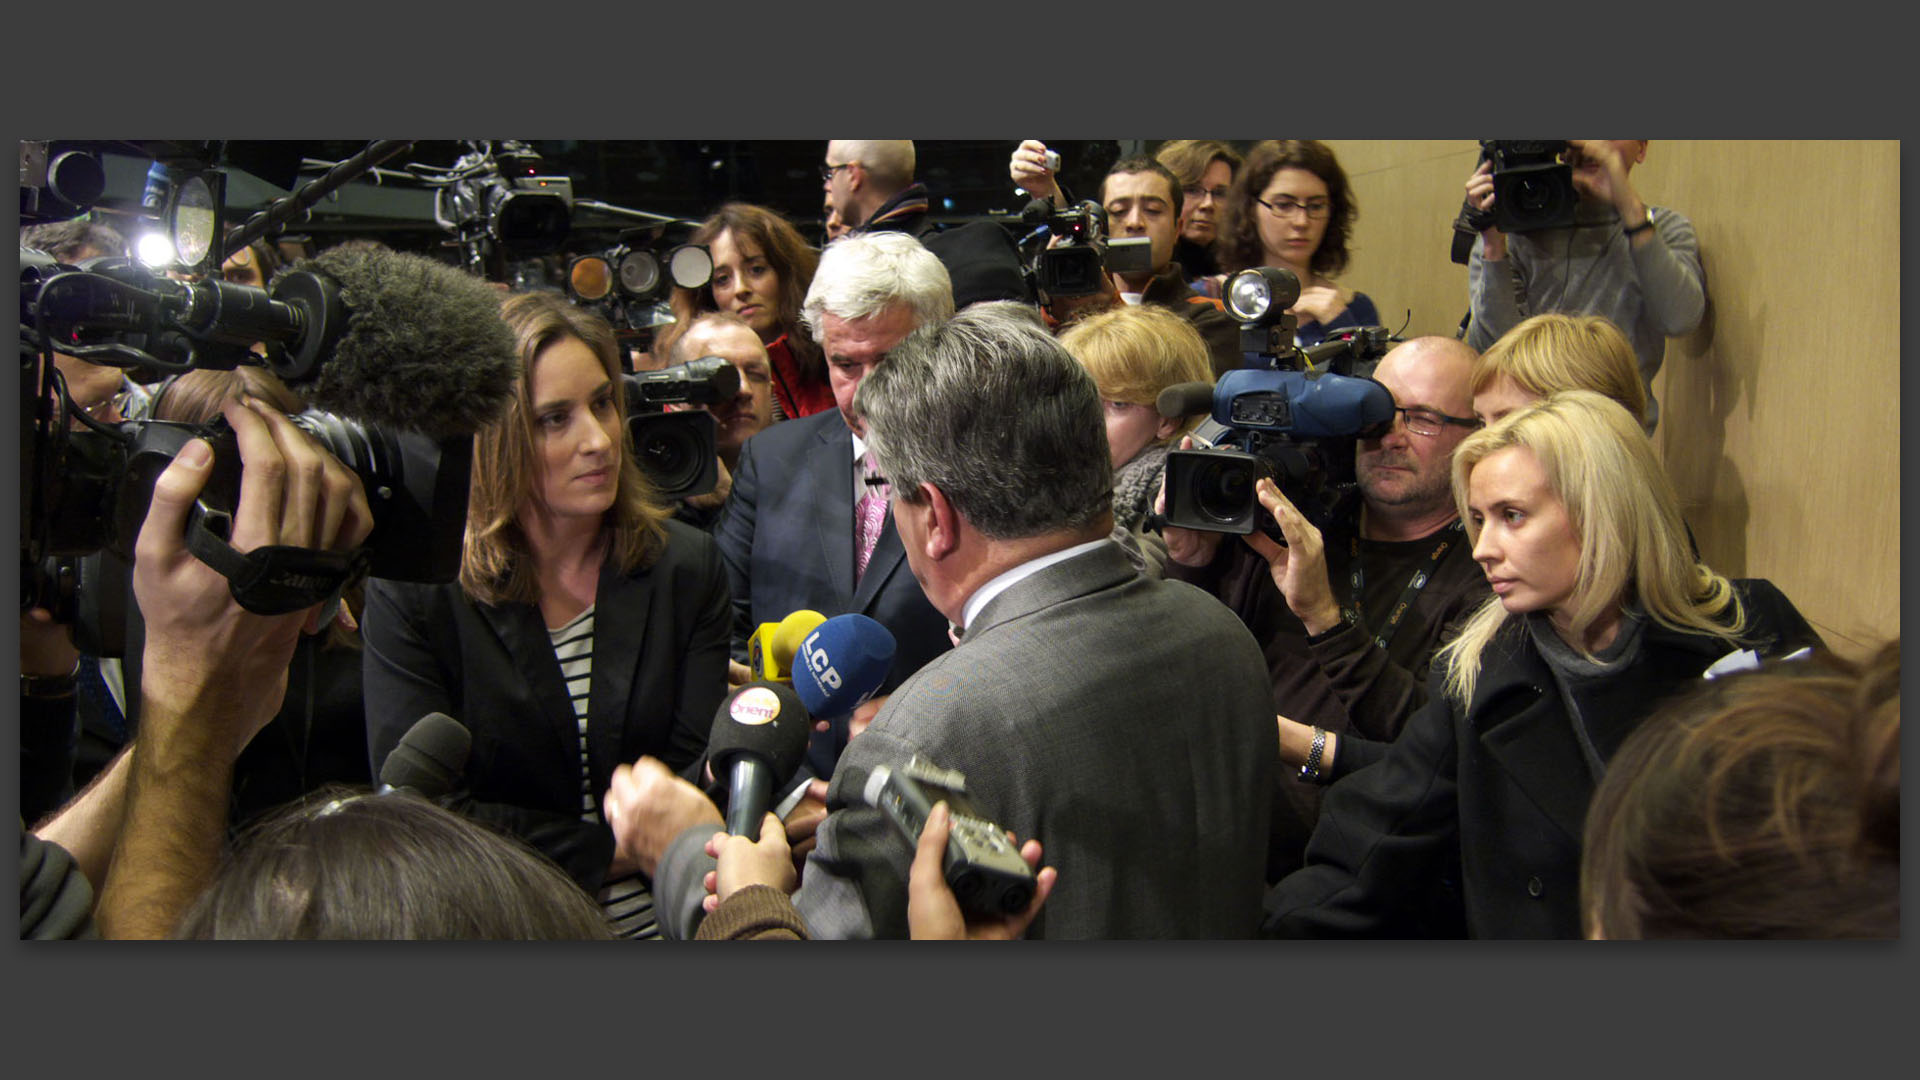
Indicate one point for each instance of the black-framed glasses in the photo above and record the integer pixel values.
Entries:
(1429, 422)
(827, 171)
(1315, 209)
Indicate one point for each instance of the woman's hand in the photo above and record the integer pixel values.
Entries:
(1322, 303)
(744, 862)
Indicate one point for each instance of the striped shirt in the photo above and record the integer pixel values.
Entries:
(627, 900)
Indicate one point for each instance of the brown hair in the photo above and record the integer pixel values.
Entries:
(495, 568)
(1550, 353)
(346, 865)
(791, 258)
(1188, 159)
(1134, 165)
(1759, 805)
(1238, 246)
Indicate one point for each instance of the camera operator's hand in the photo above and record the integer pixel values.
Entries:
(647, 806)
(744, 862)
(933, 914)
(213, 673)
(204, 653)
(1480, 197)
(1028, 168)
(1300, 568)
(1600, 172)
(1188, 547)
(1321, 303)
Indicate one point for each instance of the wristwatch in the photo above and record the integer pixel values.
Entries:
(1633, 230)
(1310, 772)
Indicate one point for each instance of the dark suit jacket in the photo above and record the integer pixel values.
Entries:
(1503, 783)
(1123, 722)
(786, 533)
(659, 672)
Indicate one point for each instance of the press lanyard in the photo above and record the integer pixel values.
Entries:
(1418, 581)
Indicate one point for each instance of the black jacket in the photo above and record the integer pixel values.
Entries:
(1502, 784)
(659, 672)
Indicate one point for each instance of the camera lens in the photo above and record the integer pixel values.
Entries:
(1223, 490)
(670, 450)
(1533, 196)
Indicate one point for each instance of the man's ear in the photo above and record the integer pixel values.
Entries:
(942, 522)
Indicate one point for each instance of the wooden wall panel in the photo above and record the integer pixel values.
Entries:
(1780, 416)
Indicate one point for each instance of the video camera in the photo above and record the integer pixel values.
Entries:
(1532, 191)
(496, 202)
(679, 451)
(1294, 422)
(1077, 265)
(369, 331)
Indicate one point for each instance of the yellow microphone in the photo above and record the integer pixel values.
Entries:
(771, 649)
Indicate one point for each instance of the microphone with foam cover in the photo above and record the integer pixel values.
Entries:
(430, 759)
(412, 344)
(842, 664)
(759, 736)
(771, 649)
(1185, 399)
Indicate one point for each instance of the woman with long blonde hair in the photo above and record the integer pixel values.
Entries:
(587, 629)
(1599, 611)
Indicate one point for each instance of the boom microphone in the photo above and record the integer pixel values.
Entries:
(431, 758)
(842, 664)
(377, 336)
(759, 736)
(422, 347)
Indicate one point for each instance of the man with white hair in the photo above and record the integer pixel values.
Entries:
(802, 529)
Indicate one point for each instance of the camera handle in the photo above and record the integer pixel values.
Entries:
(276, 579)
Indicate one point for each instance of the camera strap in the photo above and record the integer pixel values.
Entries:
(1353, 613)
(279, 579)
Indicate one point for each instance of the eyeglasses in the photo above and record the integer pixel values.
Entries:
(827, 171)
(1195, 191)
(1428, 422)
(1315, 208)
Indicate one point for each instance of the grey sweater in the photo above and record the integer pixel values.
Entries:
(1651, 294)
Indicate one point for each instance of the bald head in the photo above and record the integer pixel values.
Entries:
(1440, 368)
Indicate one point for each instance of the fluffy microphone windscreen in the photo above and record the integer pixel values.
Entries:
(425, 348)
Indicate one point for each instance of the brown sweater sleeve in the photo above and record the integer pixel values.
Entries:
(755, 913)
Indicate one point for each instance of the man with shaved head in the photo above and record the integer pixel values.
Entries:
(870, 188)
(1350, 619)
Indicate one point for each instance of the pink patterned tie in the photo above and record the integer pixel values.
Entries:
(870, 516)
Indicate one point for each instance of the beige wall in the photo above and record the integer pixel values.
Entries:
(1779, 417)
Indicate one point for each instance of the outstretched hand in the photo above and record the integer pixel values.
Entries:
(1300, 568)
(744, 861)
(933, 913)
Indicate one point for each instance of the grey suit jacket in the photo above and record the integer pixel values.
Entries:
(1123, 722)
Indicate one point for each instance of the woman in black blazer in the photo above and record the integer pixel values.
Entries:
(586, 629)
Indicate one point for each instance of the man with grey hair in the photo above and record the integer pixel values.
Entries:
(801, 529)
(870, 187)
(1122, 721)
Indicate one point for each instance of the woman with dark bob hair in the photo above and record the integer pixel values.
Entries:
(1764, 805)
(586, 629)
(1599, 611)
(347, 866)
(1291, 206)
(762, 268)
